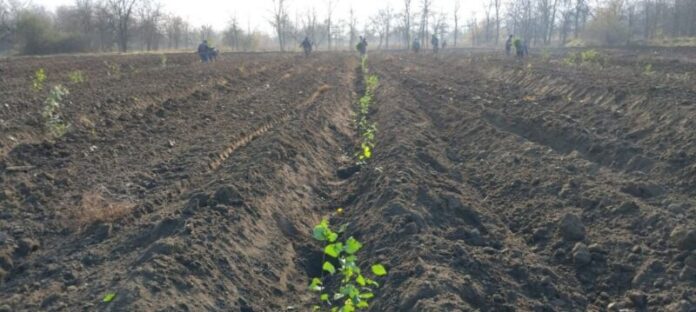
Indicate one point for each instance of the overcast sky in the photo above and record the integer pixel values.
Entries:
(256, 13)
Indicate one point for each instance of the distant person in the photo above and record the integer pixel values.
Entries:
(416, 45)
(436, 43)
(519, 47)
(203, 51)
(508, 45)
(444, 44)
(306, 46)
(362, 46)
(525, 50)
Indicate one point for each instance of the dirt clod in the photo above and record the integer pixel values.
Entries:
(581, 255)
(571, 228)
(26, 246)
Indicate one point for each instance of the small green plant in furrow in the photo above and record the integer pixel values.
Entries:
(38, 81)
(53, 119)
(76, 76)
(355, 289)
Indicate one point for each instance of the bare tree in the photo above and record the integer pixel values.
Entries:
(497, 4)
(382, 25)
(233, 34)
(440, 26)
(105, 25)
(352, 25)
(457, 8)
(488, 6)
(385, 16)
(310, 25)
(280, 21)
(330, 6)
(206, 32)
(425, 15)
(150, 14)
(407, 23)
(122, 11)
(175, 28)
(5, 28)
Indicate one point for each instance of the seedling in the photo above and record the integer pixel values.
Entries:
(39, 79)
(109, 297)
(112, 69)
(53, 121)
(76, 77)
(648, 70)
(366, 129)
(355, 289)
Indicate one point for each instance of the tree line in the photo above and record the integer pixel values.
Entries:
(124, 25)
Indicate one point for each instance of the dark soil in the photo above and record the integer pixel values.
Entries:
(497, 185)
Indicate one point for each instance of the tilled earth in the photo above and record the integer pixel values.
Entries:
(497, 185)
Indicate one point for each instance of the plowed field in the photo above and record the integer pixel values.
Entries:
(496, 184)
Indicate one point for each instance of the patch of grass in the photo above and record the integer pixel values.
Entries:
(95, 207)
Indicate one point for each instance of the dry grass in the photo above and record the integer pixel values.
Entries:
(95, 207)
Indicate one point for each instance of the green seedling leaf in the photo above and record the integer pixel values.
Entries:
(333, 250)
(316, 285)
(379, 270)
(352, 245)
(319, 233)
(362, 305)
(324, 297)
(328, 267)
(109, 297)
(367, 295)
(361, 280)
(371, 282)
(331, 236)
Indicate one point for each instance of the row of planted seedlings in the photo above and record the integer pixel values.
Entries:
(343, 286)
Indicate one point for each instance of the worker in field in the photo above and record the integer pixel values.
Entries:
(436, 43)
(204, 51)
(416, 45)
(519, 47)
(508, 45)
(362, 46)
(525, 50)
(306, 46)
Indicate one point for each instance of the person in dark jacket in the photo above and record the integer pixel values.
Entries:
(436, 43)
(204, 51)
(306, 46)
(362, 46)
(416, 45)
